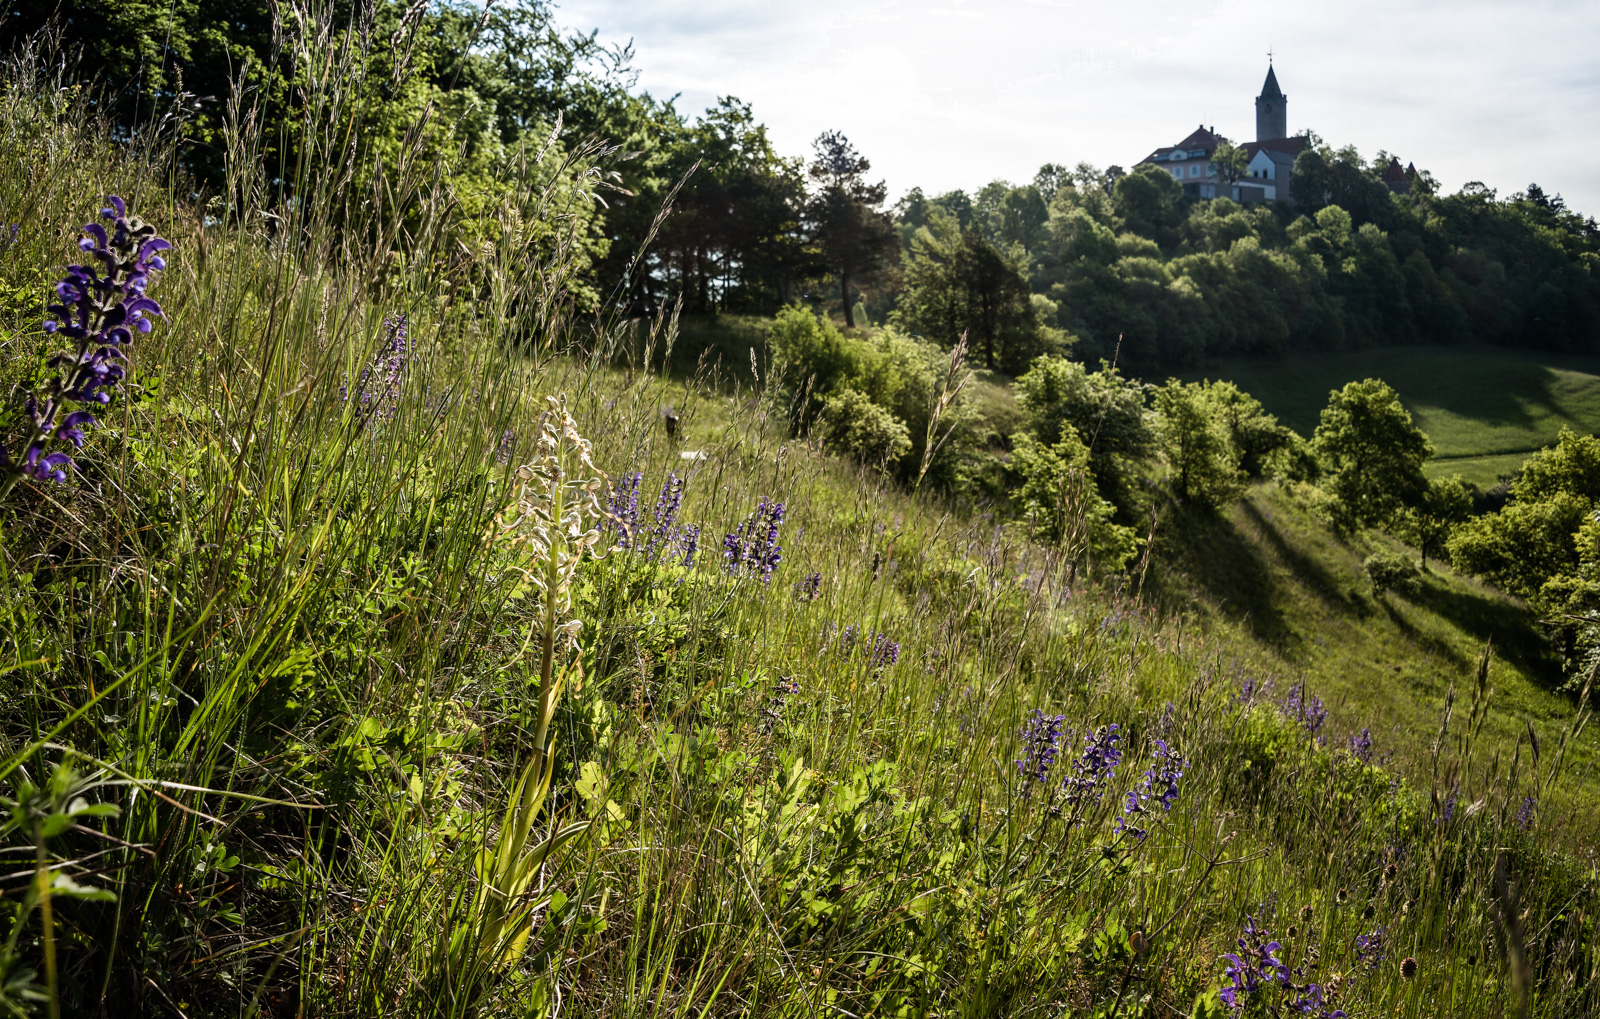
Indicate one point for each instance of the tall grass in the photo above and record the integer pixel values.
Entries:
(272, 684)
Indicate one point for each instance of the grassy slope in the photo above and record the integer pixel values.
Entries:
(1485, 408)
(796, 826)
(1282, 591)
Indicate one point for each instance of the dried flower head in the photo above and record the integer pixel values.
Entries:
(1370, 912)
(1408, 967)
(1306, 914)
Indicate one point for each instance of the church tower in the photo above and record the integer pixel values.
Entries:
(1272, 114)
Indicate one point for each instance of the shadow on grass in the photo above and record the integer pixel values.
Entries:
(1309, 573)
(1230, 571)
(1432, 645)
(1503, 388)
(1513, 629)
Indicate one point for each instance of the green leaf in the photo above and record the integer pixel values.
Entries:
(63, 886)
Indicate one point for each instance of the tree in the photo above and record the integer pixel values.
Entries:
(1230, 163)
(956, 282)
(1524, 547)
(1104, 409)
(1372, 454)
(1444, 506)
(1050, 179)
(1055, 488)
(1255, 434)
(1150, 203)
(857, 239)
(1196, 445)
(855, 426)
(733, 238)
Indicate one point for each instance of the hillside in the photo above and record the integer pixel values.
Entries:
(380, 646)
(1484, 408)
(1268, 582)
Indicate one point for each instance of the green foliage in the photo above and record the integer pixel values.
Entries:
(1197, 443)
(1540, 546)
(1392, 571)
(320, 670)
(1371, 454)
(855, 238)
(1164, 282)
(958, 283)
(856, 427)
(1258, 440)
(1104, 409)
(1445, 505)
(1057, 493)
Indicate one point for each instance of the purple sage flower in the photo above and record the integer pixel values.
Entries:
(1041, 744)
(98, 311)
(622, 515)
(688, 543)
(1524, 816)
(810, 588)
(377, 389)
(1372, 947)
(1361, 746)
(1094, 768)
(666, 516)
(753, 548)
(1305, 708)
(1159, 785)
(1255, 967)
(661, 538)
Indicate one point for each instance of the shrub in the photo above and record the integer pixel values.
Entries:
(1057, 492)
(854, 426)
(1392, 571)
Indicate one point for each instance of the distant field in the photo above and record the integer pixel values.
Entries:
(1485, 408)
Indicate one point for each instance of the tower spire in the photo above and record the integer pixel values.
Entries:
(1272, 118)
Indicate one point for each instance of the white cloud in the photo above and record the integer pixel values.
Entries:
(1506, 93)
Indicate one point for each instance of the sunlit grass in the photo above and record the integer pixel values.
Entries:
(278, 636)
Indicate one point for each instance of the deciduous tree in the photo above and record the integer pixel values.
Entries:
(1372, 454)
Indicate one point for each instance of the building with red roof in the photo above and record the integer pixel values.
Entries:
(1270, 158)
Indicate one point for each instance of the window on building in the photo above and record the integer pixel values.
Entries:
(1194, 171)
(1178, 173)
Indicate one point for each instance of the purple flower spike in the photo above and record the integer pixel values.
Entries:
(753, 548)
(98, 313)
(662, 539)
(1041, 743)
(1158, 785)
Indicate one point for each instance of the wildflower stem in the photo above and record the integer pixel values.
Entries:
(47, 919)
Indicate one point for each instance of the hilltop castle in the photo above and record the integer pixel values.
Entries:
(1271, 155)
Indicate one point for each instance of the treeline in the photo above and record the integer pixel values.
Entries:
(661, 207)
(1127, 265)
(1101, 262)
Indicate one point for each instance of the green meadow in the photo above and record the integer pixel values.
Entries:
(1484, 408)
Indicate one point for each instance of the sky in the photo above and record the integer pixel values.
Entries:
(956, 93)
